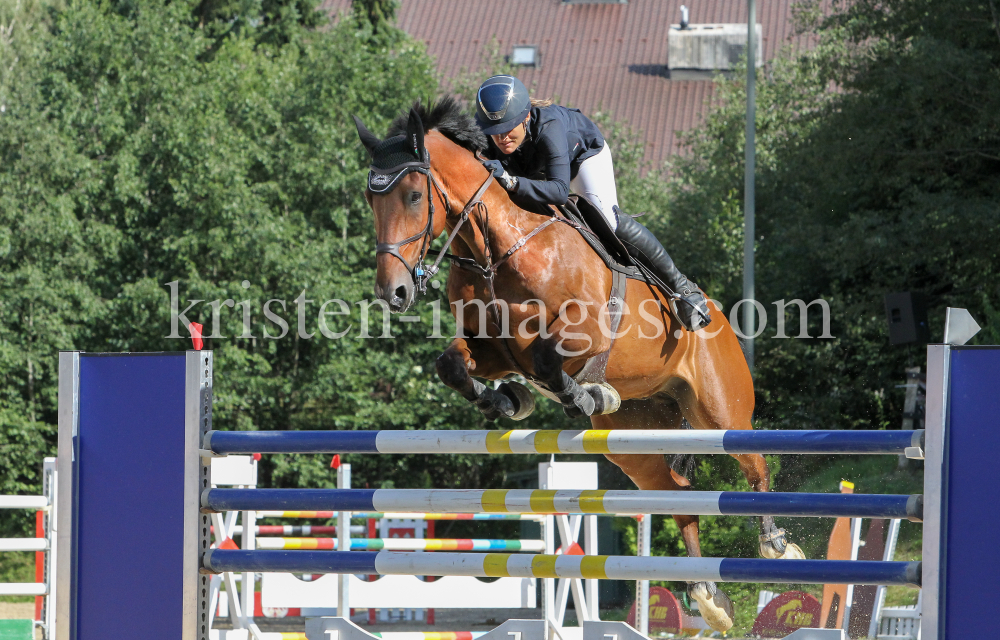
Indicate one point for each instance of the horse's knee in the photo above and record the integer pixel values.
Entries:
(451, 369)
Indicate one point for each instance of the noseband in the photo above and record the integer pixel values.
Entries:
(419, 272)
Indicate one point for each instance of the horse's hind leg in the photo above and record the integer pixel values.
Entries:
(704, 413)
(772, 539)
(453, 368)
(652, 473)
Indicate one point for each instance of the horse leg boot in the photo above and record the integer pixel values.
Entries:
(576, 401)
(772, 540)
(504, 402)
(691, 307)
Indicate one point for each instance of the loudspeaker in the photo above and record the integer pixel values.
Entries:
(907, 316)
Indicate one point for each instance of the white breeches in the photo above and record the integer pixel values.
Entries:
(596, 181)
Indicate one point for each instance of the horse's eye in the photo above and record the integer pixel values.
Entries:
(415, 197)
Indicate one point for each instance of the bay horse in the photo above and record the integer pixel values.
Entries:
(426, 180)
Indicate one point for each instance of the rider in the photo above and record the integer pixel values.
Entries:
(538, 150)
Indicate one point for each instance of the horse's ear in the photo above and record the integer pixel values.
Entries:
(369, 139)
(415, 133)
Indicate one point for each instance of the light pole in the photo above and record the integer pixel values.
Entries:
(749, 309)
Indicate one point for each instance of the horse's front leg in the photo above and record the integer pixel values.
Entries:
(548, 362)
(510, 400)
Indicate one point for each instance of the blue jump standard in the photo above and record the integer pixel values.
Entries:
(736, 503)
(730, 441)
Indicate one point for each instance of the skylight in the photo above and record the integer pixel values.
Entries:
(525, 55)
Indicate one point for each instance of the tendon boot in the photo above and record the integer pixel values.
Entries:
(687, 302)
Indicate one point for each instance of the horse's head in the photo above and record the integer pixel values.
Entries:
(400, 195)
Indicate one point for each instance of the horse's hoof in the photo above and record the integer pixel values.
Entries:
(520, 395)
(792, 552)
(606, 398)
(495, 405)
(774, 546)
(715, 606)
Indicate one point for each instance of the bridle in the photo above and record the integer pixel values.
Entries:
(419, 272)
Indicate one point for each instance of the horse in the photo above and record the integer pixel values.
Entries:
(540, 271)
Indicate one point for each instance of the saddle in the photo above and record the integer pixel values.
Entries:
(594, 228)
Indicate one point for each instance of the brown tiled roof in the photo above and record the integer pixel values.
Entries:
(608, 57)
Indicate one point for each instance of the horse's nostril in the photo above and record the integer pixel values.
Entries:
(400, 293)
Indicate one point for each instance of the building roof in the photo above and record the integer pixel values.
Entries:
(608, 57)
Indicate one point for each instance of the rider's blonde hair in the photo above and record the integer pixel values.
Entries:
(535, 102)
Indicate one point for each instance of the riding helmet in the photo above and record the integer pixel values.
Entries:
(502, 103)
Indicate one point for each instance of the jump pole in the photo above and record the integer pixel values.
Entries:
(501, 565)
(737, 503)
(641, 442)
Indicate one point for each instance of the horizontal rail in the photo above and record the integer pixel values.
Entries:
(297, 530)
(23, 544)
(24, 502)
(23, 589)
(400, 516)
(527, 441)
(693, 503)
(567, 566)
(405, 544)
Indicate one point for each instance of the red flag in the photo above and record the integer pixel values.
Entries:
(196, 340)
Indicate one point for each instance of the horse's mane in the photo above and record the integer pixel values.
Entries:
(448, 117)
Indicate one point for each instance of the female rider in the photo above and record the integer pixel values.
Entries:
(539, 150)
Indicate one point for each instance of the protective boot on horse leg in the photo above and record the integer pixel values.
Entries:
(548, 365)
(511, 400)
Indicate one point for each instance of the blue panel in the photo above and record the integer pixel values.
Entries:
(970, 521)
(835, 505)
(821, 571)
(130, 542)
(294, 442)
(356, 562)
(832, 442)
(290, 500)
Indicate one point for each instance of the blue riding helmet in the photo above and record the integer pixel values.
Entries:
(502, 103)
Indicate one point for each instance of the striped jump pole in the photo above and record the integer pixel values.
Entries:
(655, 441)
(500, 565)
(398, 516)
(296, 530)
(405, 544)
(708, 503)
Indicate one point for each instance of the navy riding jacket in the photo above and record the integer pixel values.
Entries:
(559, 139)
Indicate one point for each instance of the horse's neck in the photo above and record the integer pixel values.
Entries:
(503, 222)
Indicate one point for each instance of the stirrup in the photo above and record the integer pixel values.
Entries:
(702, 315)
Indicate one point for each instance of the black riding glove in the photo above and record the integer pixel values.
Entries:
(508, 181)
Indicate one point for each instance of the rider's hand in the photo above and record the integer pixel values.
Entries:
(508, 181)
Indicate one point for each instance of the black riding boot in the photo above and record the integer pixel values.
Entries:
(692, 308)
